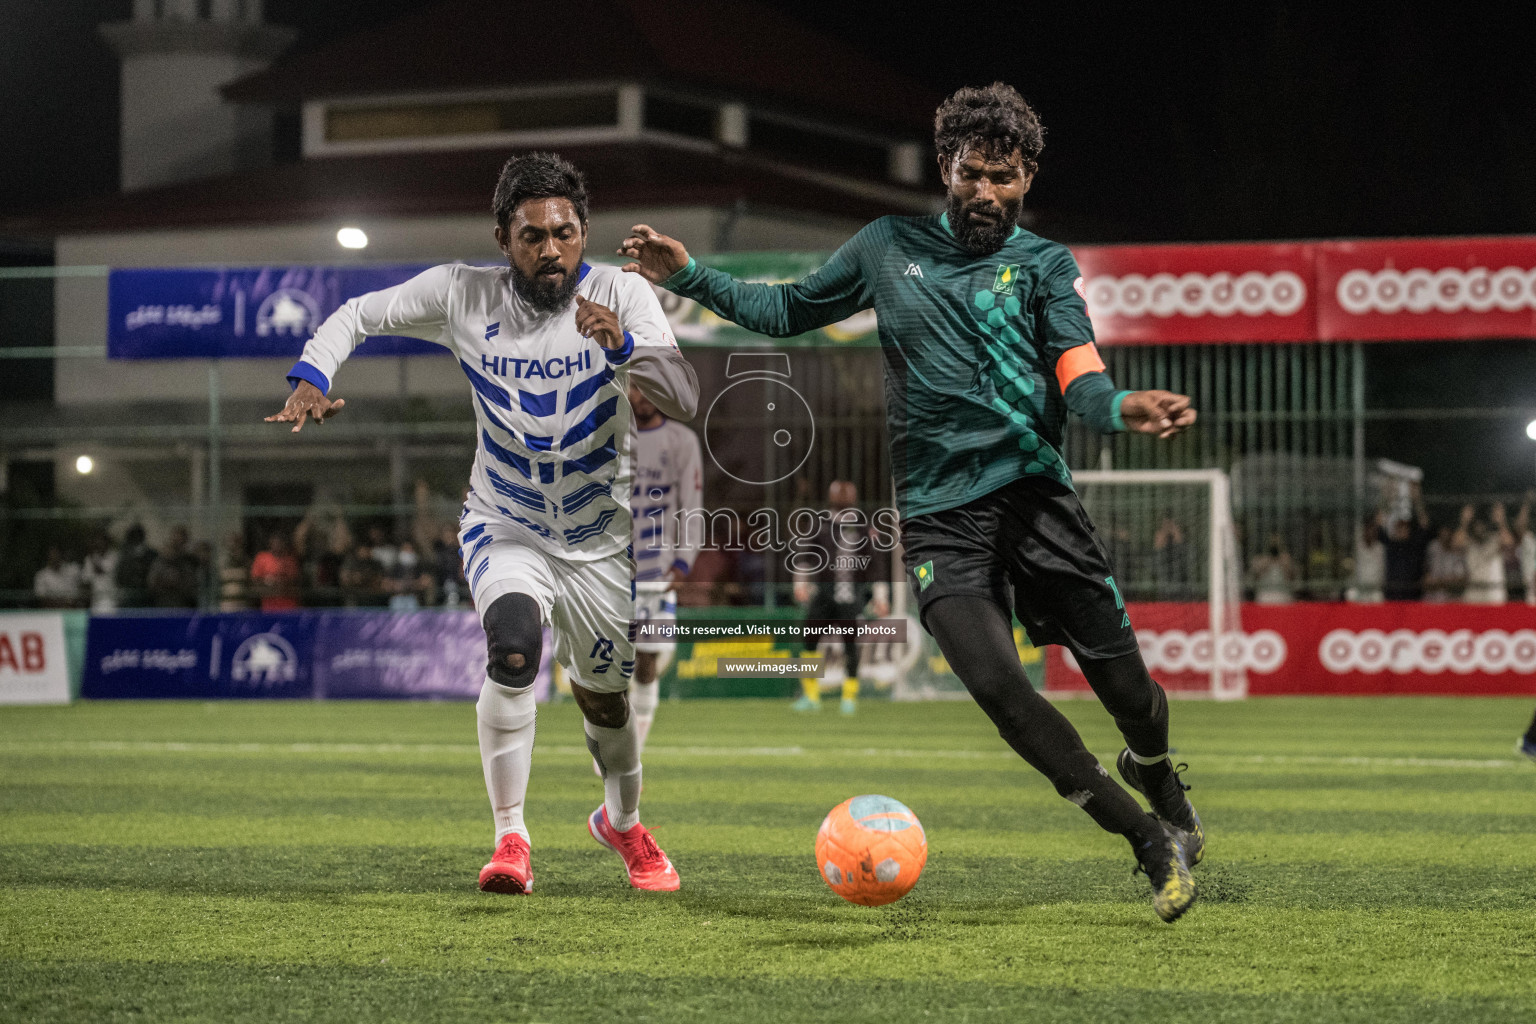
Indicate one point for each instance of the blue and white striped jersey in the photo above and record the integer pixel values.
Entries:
(553, 451)
(668, 485)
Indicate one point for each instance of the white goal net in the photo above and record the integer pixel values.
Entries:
(1170, 537)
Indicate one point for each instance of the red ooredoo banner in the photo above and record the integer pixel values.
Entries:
(1316, 648)
(1396, 290)
(1161, 294)
(1427, 289)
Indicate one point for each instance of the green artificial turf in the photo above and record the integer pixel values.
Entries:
(1368, 860)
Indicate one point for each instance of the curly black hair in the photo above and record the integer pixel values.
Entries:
(994, 120)
(538, 176)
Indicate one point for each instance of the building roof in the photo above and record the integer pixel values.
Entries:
(734, 48)
(619, 176)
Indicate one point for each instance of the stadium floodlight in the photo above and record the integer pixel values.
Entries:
(1530, 430)
(352, 238)
(84, 464)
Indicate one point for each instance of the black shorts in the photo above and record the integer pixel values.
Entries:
(1029, 547)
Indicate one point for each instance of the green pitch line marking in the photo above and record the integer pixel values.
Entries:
(573, 750)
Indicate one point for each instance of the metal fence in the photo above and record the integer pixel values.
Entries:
(1289, 422)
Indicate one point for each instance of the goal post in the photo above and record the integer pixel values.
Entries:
(1172, 542)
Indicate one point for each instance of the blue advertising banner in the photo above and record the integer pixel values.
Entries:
(142, 656)
(425, 655)
(240, 312)
(199, 657)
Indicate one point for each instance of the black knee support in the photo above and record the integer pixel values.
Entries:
(513, 627)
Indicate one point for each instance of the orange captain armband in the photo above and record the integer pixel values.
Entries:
(1075, 362)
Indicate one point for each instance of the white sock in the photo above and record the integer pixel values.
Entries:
(505, 718)
(643, 698)
(618, 755)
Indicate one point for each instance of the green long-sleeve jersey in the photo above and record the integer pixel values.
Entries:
(972, 347)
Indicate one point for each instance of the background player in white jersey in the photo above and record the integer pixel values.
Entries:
(669, 486)
(551, 347)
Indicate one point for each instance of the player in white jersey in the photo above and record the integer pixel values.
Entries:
(551, 347)
(668, 489)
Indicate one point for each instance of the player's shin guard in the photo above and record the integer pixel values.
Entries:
(617, 753)
(643, 698)
(505, 721)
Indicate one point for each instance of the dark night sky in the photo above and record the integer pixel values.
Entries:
(1252, 120)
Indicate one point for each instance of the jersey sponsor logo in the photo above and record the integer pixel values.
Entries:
(1007, 274)
(543, 369)
(924, 574)
(1431, 651)
(1448, 290)
(913, 270)
(491, 330)
(1282, 293)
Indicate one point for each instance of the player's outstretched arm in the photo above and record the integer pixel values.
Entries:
(1163, 413)
(834, 292)
(307, 402)
(656, 257)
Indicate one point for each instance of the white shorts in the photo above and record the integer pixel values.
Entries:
(655, 607)
(587, 605)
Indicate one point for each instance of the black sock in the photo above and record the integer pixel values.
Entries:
(1530, 734)
(1138, 704)
(976, 637)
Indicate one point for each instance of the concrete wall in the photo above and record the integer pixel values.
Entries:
(80, 316)
(176, 127)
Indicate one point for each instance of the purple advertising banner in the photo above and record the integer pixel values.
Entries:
(425, 655)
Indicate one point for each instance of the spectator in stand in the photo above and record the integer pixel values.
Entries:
(98, 575)
(134, 560)
(1274, 574)
(448, 581)
(1322, 566)
(175, 576)
(409, 583)
(234, 576)
(1445, 568)
(1370, 568)
(434, 513)
(383, 550)
(362, 580)
(1484, 544)
(321, 543)
(57, 584)
(1170, 560)
(1527, 547)
(1514, 569)
(1405, 544)
(207, 584)
(275, 576)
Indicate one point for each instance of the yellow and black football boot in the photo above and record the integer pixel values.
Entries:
(1167, 799)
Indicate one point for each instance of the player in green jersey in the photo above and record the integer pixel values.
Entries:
(987, 345)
